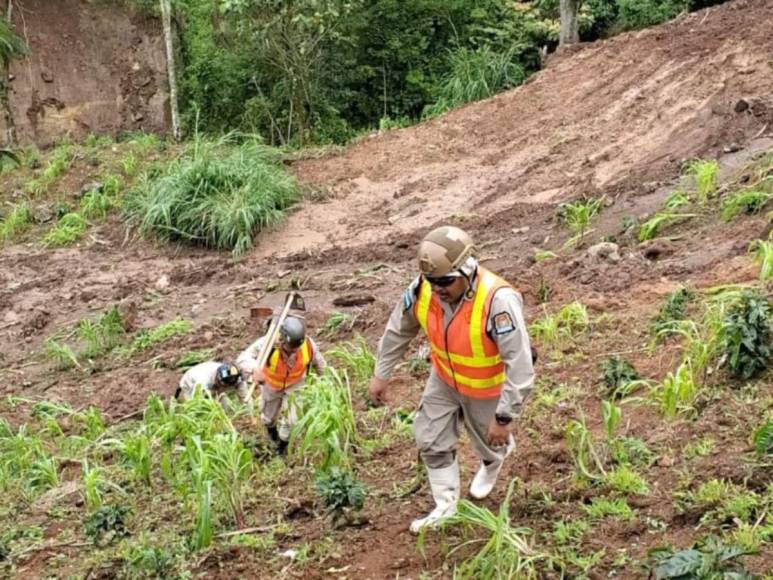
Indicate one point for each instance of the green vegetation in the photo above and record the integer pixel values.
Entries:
(341, 492)
(220, 193)
(67, 231)
(624, 480)
(16, 222)
(706, 560)
(578, 215)
(335, 323)
(673, 309)
(763, 438)
(102, 335)
(356, 358)
(652, 226)
(505, 552)
(555, 329)
(60, 354)
(147, 339)
(194, 357)
(107, 524)
(746, 336)
(618, 374)
(706, 176)
(763, 255)
(747, 202)
(602, 507)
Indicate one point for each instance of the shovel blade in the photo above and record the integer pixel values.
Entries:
(260, 312)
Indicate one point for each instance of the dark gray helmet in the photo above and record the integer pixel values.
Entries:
(228, 374)
(293, 332)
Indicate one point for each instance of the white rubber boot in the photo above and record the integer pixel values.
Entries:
(486, 478)
(445, 486)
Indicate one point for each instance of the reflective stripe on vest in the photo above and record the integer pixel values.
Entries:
(276, 373)
(469, 361)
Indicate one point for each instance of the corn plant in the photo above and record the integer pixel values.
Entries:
(102, 335)
(95, 484)
(230, 466)
(16, 222)
(67, 231)
(136, 452)
(91, 423)
(706, 176)
(747, 202)
(356, 358)
(62, 355)
(579, 442)
(202, 534)
(578, 215)
(199, 415)
(326, 433)
(43, 474)
(336, 322)
(652, 226)
(505, 551)
(611, 415)
(763, 255)
(677, 393)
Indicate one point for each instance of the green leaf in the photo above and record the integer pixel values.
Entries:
(679, 564)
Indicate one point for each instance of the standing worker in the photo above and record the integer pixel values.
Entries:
(284, 373)
(482, 369)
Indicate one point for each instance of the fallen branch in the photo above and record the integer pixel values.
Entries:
(354, 300)
(256, 530)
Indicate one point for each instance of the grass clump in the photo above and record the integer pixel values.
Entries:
(624, 480)
(221, 193)
(554, 329)
(62, 355)
(706, 176)
(578, 215)
(617, 374)
(762, 438)
(746, 202)
(652, 226)
(762, 251)
(356, 357)
(67, 231)
(16, 222)
(149, 338)
(602, 507)
(102, 335)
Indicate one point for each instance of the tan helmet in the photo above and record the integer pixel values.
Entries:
(443, 251)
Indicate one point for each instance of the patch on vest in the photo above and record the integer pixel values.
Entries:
(503, 323)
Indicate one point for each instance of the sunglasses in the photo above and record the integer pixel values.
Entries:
(441, 281)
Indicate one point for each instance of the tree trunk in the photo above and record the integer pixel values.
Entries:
(5, 90)
(166, 18)
(570, 30)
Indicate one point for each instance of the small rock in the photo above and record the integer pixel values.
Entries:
(291, 554)
(605, 251)
(42, 214)
(209, 336)
(741, 105)
(46, 76)
(138, 117)
(90, 186)
(136, 66)
(665, 461)
(522, 230)
(732, 148)
(650, 186)
(162, 283)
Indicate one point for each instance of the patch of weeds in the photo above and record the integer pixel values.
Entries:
(719, 501)
(554, 329)
(357, 358)
(746, 202)
(67, 231)
(335, 323)
(149, 338)
(544, 292)
(16, 222)
(103, 334)
(746, 336)
(130, 165)
(676, 200)
(194, 357)
(617, 374)
(544, 255)
(569, 532)
(96, 204)
(706, 176)
(626, 481)
(698, 448)
(673, 309)
(602, 507)
(631, 451)
(149, 561)
(107, 524)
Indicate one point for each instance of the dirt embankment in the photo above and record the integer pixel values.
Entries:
(92, 68)
(609, 118)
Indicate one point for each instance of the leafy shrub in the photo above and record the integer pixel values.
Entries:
(221, 193)
(673, 309)
(67, 231)
(617, 372)
(107, 524)
(747, 335)
(705, 561)
(340, 490)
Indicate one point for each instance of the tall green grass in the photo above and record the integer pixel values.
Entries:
(220, 194)
(16, 222)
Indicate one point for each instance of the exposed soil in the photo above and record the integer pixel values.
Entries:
(92, 68)
(616, 119)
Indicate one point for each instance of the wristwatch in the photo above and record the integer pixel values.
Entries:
(503, 419)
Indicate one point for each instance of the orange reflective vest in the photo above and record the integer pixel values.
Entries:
(463, 354)
(279, 376)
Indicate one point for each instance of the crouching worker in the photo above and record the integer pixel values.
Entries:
(284, 374)
(215, 379)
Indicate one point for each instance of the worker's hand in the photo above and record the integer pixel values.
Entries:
(377, 391)
(257, 377)
(498, 435)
